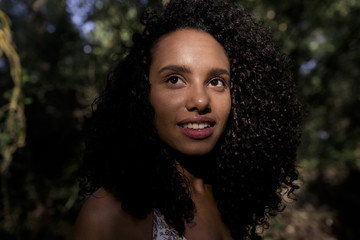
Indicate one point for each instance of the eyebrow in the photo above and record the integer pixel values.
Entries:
(176, 68)
(184, 69)
(218, 71)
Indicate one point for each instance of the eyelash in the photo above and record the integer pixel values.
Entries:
(218, 80)
(170, 78)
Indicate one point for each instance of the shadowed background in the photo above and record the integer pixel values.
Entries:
(54, 56)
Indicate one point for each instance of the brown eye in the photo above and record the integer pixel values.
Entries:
(173, 80)
(217, 82)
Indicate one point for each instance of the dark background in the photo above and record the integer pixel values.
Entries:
(57, 59)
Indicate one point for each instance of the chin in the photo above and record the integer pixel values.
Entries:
(195, 151)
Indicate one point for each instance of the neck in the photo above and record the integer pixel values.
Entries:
(198, 169)
(197, 184)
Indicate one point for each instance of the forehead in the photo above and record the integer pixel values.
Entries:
(184, 43)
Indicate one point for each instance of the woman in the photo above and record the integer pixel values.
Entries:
(195, 135)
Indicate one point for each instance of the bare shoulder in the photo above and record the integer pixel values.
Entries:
(101, 217)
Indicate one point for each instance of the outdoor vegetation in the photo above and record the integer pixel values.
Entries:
(54, 57)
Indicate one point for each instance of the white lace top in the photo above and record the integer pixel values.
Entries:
(162, 231)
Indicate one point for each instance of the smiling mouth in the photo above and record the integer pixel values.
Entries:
(196, 126)
(198, 131)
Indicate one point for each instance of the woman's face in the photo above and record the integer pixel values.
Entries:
(190, 90)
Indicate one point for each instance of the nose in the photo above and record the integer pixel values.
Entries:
(198, 99)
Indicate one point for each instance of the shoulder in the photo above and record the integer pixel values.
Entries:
(101, 217)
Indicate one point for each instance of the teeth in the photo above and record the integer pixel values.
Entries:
(196, 125)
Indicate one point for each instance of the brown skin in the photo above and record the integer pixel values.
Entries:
(207, 223)
(190, 82)
(101, 218)
(190, 79)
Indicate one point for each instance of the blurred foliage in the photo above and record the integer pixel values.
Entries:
(12, 127)
(67, 47)
(12, 131)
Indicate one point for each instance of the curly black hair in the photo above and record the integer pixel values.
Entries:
(253, 162)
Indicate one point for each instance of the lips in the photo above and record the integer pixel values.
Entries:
(198, 127)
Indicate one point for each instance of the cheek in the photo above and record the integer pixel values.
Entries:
(166, 102)
(154, 101)
(158, 101)
(229, 107)
(224, 108)
(163, 107)
(224, 113)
